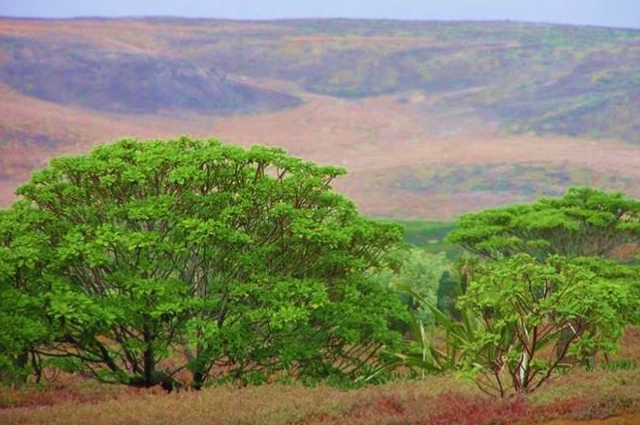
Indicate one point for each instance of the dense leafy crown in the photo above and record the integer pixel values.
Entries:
(584, 223)
(238, 261)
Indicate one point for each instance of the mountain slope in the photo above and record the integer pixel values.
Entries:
(432, 119)
(113, 80)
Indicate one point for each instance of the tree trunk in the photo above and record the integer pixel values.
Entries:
(198, 380)
(523, 371)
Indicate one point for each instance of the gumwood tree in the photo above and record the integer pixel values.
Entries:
(528, 257)
(192, 255)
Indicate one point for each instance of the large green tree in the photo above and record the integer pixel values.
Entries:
(189, 254)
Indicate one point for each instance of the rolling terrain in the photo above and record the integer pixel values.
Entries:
(431, 119)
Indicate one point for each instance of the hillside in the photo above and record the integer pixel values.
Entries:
(114, 80)
(544, 78)
(431, 118)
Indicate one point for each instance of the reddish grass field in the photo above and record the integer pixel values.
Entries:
(580, 397)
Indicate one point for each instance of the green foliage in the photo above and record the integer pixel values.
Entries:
(449, 289)
(541, 295)
(623, 364)
(22, 262)
(523, 306)
(574, 296)
(625, 276)
(234, 264)
(429, 290)
(584, 223)
(420, 272)
(430, 236)
(421, 353)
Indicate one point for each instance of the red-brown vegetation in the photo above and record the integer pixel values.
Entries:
(609, 398)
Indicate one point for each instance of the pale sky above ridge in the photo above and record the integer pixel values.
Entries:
(613, 13)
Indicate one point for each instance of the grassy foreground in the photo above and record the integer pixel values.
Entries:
(577, 396)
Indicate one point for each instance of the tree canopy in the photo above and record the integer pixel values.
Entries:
(584, 223)
(23, 256)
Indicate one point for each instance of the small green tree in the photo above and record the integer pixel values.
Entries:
(189, 254)
(525, 309)
(584, 223)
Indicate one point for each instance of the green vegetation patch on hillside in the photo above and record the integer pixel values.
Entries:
(430, 236)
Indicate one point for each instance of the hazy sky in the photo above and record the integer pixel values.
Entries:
(619, 13)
